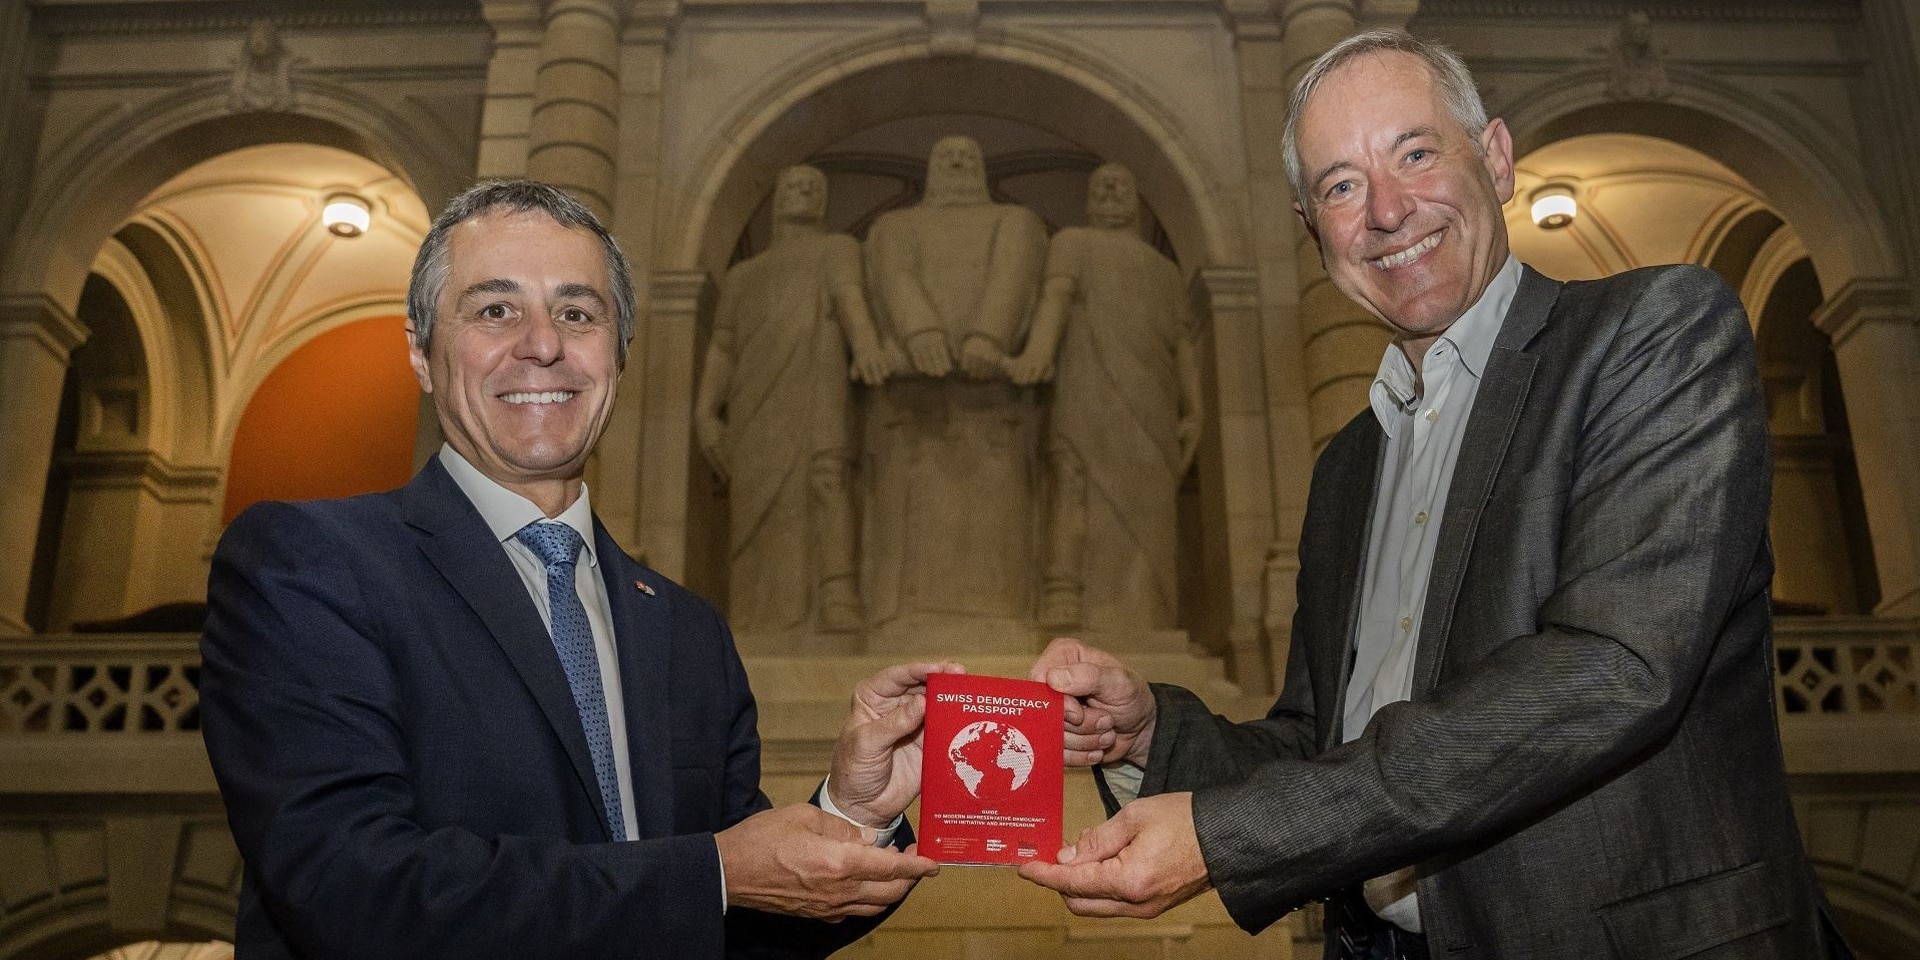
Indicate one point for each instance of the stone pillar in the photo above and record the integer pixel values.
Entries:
(1343, 342)
(508, 110)
(643, 59)
(674, 303)
(574, 128)
(133, 537)
(1875, 328)
(1236, 512)
(1813, 567)
(36, 338)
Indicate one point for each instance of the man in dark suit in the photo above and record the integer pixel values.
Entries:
(1528, 708)
(456, 720)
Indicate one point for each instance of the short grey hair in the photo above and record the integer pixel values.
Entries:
(1449, 72)
(432, 265)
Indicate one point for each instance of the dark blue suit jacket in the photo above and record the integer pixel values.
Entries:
(404, 769)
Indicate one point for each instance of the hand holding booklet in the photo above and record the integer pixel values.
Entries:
(991, 774)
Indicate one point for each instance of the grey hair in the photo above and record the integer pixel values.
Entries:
(1449, 73)
(433, 264)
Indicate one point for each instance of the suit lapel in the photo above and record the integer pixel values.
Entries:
(458, 543)
(1490, 427)
(641, 620)
(1352, 530)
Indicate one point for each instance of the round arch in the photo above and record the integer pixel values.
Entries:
(844, 91)
(99, 177)
(1811, 188)
(81, 925)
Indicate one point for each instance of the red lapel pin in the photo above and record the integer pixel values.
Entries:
(643, 588)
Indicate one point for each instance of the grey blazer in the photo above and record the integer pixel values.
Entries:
(1590, 764)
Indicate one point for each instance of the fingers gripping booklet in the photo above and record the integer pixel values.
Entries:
(991, 773)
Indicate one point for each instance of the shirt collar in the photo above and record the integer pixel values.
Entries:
(505, 511)
(1472, 338)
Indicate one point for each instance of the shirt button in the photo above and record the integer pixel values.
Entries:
(1420, 517)
(1432, 415)
(1406, 623)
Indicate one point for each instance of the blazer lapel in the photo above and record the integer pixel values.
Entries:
(1353, 528)
(642, 617)
(459, 544)
(1496, 412)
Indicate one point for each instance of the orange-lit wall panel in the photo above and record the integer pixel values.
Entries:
(336, 418)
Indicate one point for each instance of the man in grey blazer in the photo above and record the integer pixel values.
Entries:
(1528, 708)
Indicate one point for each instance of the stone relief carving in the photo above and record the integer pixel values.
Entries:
(949, 518)
(1125, 418)
(262, 76)
(773, 418)
(945, 437)
(1639, 70)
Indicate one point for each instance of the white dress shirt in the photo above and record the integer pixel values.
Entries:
(1424, 417)
(505, 513)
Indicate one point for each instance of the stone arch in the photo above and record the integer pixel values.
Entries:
(1816, 188)
(832, 95)
(95, 180)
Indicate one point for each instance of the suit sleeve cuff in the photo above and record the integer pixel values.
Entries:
(883, 837)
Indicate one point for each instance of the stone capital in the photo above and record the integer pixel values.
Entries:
(1230, 288)
(674, 295)
(1865, 301)
(43, 323)
(607, 10)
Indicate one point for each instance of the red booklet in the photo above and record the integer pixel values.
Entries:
(991, 775)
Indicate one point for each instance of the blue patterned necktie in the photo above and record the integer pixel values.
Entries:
(557, 545)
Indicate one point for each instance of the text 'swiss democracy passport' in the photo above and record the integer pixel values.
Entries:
(990, 780)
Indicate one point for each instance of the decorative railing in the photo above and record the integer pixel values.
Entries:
(100, 683)
(1853, 666)
(115, 683)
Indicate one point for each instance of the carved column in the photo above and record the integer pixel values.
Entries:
(573, 132)
(1343, 342)
(674, 304)
(1875, 328)
(1236, 511)
(36, 338)
(624, 447)
(1813, 567)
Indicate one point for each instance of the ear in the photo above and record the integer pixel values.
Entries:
(418, 361)
(1496, 150)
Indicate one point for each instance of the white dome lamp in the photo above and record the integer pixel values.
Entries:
(1554, 206)
(346, 215)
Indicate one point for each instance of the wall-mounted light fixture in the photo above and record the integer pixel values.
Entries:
(346, 215)
(1553, 206)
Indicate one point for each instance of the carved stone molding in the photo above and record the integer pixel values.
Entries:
(42, 322)
(185, 17)
(1715, 10)
(1863, 301)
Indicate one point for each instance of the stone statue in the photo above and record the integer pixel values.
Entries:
(1639, 72)
(772, 416)
(262, 77)
(1125, 419)
(949, 520)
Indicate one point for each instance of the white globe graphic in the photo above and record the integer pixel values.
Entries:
(992, 759)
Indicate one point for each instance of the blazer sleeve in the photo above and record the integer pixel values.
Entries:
(303, 720)
(1663, 535)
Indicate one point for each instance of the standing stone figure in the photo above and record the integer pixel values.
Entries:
(773, 415)
(1125, 418)
(949, 525)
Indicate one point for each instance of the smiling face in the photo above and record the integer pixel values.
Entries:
(524, 361)
(1404, 202)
